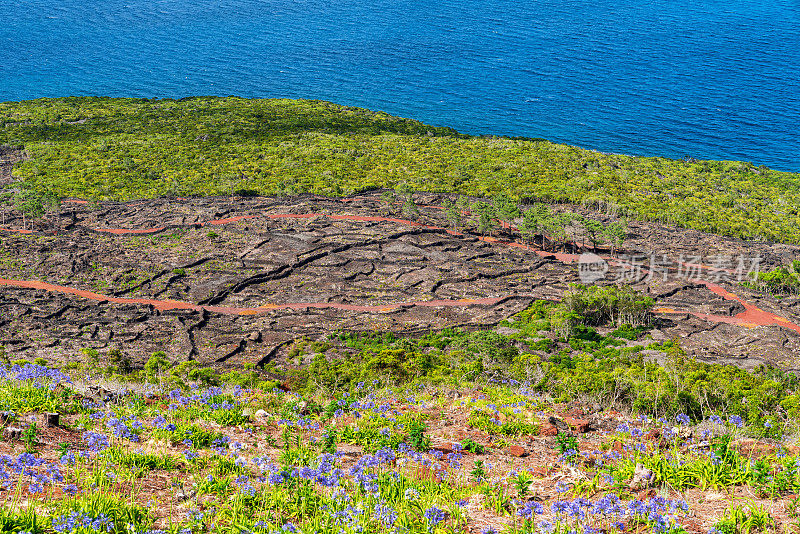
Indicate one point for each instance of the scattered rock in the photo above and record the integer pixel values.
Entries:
(570, 474)
(302, 408)
(548, 429)
(101, 395)
(349, 450)
(642, 478)
(540, 471)
(579, 425)
(517, 451)
(261, 414)
(559, 424)
(576, 411)
(700, 446)
(185, 493)
(653, 434)
(12, 433)
(683, 433)
(444, 448)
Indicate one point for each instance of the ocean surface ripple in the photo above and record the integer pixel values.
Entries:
(711, 80)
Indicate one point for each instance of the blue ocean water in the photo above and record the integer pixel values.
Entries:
(716, 79)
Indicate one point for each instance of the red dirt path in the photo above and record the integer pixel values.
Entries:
(163, 305)
(19, 231)
(751, 317)
(123, 231)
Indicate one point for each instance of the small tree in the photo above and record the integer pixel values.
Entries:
(410, 209)
(616, 233)
(30, 203)
(557, 226)
(486, 217)
(530, 225)
(506, 209)
(594, 229)
(405, 194)
(51, 204)
(534, 221)
(388, 196)
(453, 213)
(572, 228)
(230, 183)
(5, 198)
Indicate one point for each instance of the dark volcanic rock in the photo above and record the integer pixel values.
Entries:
(8, 157)
(229, 281)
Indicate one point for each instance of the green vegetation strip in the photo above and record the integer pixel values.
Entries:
(104, 148)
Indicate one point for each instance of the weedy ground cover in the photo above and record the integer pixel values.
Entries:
(449, 432)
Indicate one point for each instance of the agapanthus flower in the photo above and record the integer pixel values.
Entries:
(434, 516)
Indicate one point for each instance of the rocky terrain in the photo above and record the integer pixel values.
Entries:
(227, 281)
(8, 157)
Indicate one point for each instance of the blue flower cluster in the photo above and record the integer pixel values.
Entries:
(97, 442)
(658, 512)
(434, 516)
(36, 374)
(75, 522)
(364, 471)
(27, 468)
(125, 428)
(385, 514)
(325, 474)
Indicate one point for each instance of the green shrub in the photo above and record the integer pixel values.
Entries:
(470, 446)
(608, 304)
(778, 281)
(135, 148)
(416, 436)
(157, 364)
(490, 423)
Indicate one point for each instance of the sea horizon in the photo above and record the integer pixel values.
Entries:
(706, 81)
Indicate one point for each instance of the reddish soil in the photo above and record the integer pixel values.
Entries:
(751, 317)
(164, 305)
(17, 230)
(306, 266)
